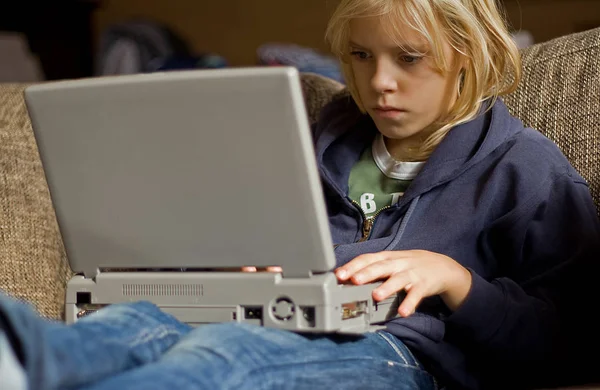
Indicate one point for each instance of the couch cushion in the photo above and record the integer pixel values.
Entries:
(560, 96)
(32, 260)
(318, 90)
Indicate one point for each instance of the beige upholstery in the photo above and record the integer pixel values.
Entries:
(559, 95)
(317, 92)
(32, 261)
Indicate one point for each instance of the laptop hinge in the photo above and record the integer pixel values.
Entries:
(91, 273)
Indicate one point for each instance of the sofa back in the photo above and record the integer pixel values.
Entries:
(560, 96)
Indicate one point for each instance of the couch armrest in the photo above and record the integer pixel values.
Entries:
(33, 264)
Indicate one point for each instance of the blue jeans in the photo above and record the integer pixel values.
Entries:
(137, 346)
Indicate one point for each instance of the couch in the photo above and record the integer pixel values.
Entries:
(559, 95)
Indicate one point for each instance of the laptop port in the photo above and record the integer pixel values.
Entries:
(353, 309)
(253, 313)
(83, 298)
(308, 313)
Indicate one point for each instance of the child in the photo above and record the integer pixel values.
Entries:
(431, 186)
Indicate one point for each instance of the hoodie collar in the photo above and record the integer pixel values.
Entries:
(345, 133)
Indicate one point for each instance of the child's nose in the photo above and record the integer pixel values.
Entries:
(384, 79)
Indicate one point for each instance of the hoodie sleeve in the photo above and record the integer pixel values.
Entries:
(550, 255)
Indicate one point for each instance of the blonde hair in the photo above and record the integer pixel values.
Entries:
(475, 29)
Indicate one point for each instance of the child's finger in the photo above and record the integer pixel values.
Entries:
(410, 302)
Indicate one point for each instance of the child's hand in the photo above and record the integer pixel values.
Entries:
(420, 273)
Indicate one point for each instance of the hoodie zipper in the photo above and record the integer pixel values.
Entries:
(368, 222)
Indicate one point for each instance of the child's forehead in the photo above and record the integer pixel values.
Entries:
(381, 32)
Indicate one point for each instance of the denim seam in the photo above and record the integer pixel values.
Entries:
(418, 365)
(395, 348)
(410, 352)
(413, 357)
(252, 372)
(158, 333)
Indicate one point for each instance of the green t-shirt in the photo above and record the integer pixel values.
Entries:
(377, 181)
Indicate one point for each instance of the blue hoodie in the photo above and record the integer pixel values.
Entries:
(500, 199)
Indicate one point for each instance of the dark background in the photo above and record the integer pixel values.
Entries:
(64, 34)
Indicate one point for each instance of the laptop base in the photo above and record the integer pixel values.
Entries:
(314, 304)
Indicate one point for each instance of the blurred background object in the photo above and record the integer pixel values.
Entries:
(59, 33)
(523, 39)
(305, 59)
(17, 63)
(140, 46)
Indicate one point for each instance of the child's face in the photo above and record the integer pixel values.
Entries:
(403, 93)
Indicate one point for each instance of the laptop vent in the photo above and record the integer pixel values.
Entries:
(152, 290)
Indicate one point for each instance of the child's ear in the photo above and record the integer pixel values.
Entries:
(461, 62)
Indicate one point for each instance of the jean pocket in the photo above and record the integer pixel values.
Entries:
(405, 355)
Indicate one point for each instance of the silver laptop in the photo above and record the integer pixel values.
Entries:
(165, 184)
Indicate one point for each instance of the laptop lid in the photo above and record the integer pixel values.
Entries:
(193, 169)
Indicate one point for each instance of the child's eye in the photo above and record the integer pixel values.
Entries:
(360, 55)
(408, 59)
